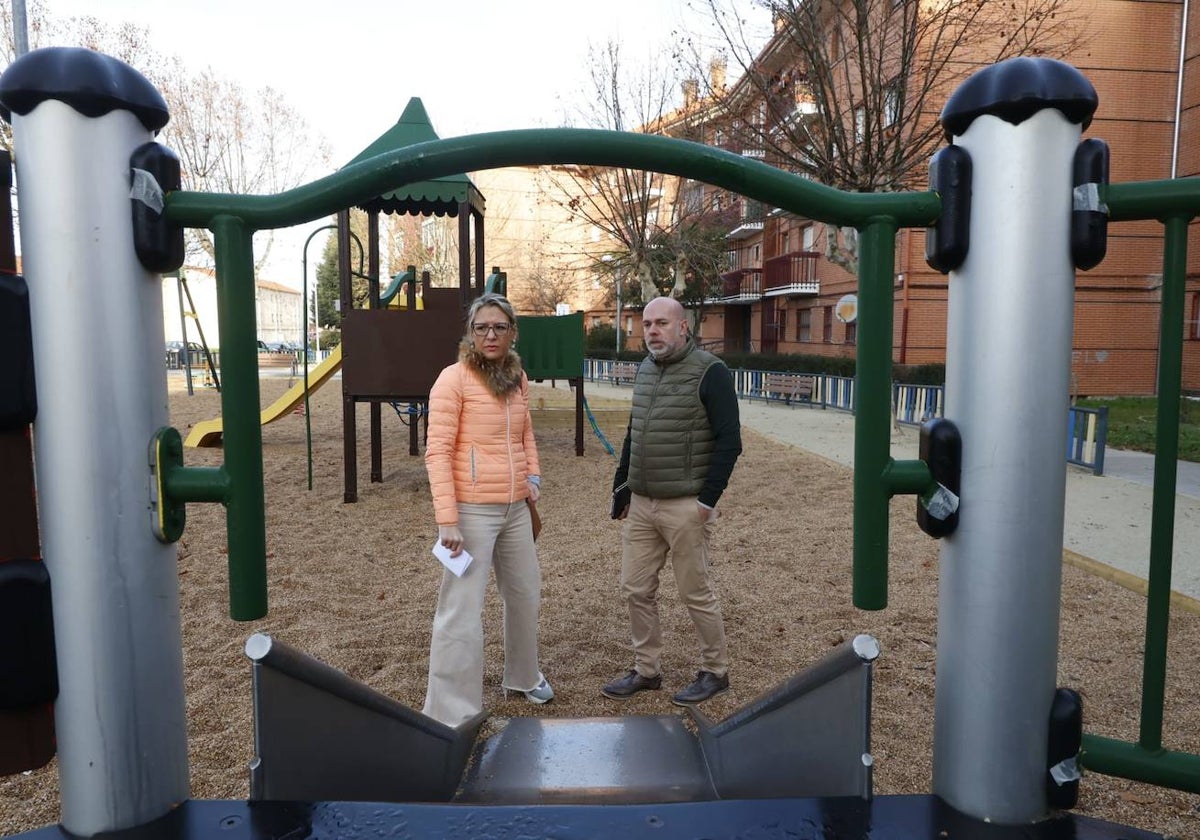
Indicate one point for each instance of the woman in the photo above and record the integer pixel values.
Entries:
(483, 464)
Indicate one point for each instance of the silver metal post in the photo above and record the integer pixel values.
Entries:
(101, 385)
(1008, 353)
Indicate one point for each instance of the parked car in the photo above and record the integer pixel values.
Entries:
(176, 358)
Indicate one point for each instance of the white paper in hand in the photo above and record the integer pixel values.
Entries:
(457, 565)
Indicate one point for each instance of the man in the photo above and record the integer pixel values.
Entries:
(683, 440)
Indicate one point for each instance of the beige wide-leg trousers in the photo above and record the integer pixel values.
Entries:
(500, 538)
(653, 528)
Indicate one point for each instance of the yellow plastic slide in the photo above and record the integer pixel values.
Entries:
(208, 432)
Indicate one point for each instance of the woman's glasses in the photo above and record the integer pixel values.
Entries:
(482, 330)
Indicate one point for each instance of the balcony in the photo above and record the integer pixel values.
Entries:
(743, 285)
(792, 274)
(751, 221)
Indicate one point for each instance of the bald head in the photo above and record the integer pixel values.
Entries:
(664, 325)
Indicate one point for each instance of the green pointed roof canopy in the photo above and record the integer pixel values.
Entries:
(437, 197)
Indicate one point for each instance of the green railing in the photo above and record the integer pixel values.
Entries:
(877, 477)
(1173, 203)
(234, 219)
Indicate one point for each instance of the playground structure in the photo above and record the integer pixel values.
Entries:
(208, 432)
(393, 355)
(394, 347)
(398, 341)
(997, 705)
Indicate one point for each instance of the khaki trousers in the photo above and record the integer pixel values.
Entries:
(499, 538)
(654, 528)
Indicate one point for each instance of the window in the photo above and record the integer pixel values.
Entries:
(781, 326)
(1191, 328)
(860, 124)
(827, 326)
(804, 325)
(809, 237)
(892, 100)
(852, 332)
(756, 255)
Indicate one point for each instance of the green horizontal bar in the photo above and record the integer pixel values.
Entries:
(1152, 199)
(367, 179)
(1166, 768)
(907, 477)
(197, 484)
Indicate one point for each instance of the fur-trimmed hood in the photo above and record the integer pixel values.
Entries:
(500, 377)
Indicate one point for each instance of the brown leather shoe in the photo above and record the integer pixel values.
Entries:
(624, 687)
(706, 685)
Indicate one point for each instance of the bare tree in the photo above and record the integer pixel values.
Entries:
(546, 286)
(630, 208)
(228, 140)
(848, 92)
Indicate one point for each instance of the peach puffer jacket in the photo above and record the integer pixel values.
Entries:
(480, 448)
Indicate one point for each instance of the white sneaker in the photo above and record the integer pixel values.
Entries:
(540, 693)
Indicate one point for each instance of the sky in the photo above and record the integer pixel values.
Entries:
(350, 66)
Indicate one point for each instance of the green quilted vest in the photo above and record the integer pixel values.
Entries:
(672, 443)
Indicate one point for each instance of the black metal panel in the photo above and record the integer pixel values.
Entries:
(808, 736)
(318, 734)
(885, 818)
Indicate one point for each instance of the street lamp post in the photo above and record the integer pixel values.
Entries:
(618, 316)
(316, 329)
(606, 259)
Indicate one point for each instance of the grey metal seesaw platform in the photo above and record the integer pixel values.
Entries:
(335, 759)
(319, 735)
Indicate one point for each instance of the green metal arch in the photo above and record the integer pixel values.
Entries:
(361, 181)
(234, 218)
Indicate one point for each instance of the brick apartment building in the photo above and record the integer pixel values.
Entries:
(781, 295)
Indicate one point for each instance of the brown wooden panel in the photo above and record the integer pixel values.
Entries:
(396, 353)
(18, 510)
(26, 738)
(444, 300)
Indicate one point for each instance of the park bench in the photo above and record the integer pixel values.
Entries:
(788, 387)
(276, 360)
(624, 372)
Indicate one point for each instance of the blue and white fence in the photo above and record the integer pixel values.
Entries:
(1087, 428)
(1087, 435)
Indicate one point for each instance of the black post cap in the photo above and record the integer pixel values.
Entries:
(90, 82)
(1016, 89)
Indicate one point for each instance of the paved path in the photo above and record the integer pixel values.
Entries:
(1107, 517)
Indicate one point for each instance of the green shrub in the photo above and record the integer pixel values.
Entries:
(790, 363)
(331, 338)
(930, 374)
(601, 341)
